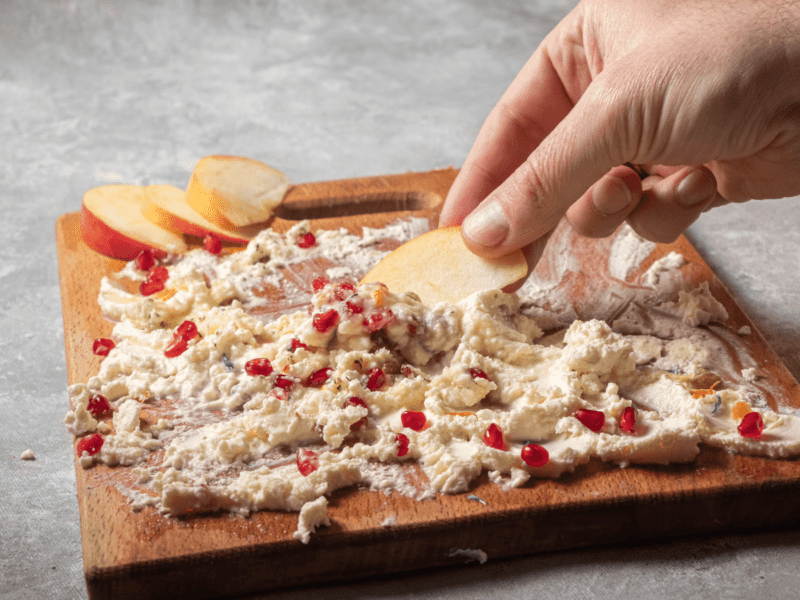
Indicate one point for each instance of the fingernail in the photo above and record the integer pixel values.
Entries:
(488, 226)
(695, 188)
(610, 195)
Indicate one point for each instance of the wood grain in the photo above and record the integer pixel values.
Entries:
(144, 555)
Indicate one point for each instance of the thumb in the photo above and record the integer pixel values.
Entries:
(593, 137)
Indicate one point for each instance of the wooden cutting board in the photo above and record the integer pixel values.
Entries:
(144, 555)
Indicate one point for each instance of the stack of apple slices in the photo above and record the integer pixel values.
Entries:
(229, 196)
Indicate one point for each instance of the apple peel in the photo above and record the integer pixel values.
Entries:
(438, 267)
(166, 206)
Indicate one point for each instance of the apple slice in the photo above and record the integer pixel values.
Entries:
(438, 267)
(166, 206)
(112, 223)
(233, 191)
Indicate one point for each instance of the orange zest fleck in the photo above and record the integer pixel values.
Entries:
(462, 414)
(702, 393)
(740, 410)
(378, 296)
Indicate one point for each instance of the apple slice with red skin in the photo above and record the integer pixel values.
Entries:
(112, 223)
(166, 206)
(234, 191)
(438, 267)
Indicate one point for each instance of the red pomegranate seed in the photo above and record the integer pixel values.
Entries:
(307, 462)
(413, 420)
(296, 344)
(354, 308)
(402, 444)
(751, 426)
(148, 288)
(307, 240)
(376, 379)
(258, 366)
(212, 243)
(412, 329)
(324, 322)
(102, 346)
(592, 419)
(186, 330)
(283, 382)
(177, 347)
(534, 455)
(627, 422)
(355, 401)
(154, 282)
(478, 374)
(160, 273)
(343, 290)
(91, 444)
(98, 405)
(317, 378)
(145, 260)
(493, 437)
(379, 319)
(319, 283)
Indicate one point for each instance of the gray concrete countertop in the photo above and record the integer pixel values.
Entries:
(101, 91)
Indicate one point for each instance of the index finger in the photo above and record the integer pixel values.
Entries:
(535, 102)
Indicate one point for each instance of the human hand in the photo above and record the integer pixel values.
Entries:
(704, 95)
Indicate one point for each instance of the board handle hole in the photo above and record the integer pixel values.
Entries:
(297, 209)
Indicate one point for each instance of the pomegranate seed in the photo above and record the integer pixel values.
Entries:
(324, 322)
(379, 319)
(296, 344)
(355, 401)
(412, 329)
(478, 374)
(307, 462)
(283, 382)
(258, 366)
(534, 455)
(592, 419)
(307, 240)
(376, 379)
(212, 243)
(102, 346)
(154, 282)
(186, 330)
(98, 405)
(751, 426)
(177, 347)
(413, 420)
(319, 283)
(160, 273)
(493, 437)
(91, 444)
(354, 308)
(148, 288)
(407, 371)
(343, 290)
(145, 260)
(402, 444)
(317, 378)
(627, 422)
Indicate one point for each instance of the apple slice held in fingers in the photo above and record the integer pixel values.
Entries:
(234, 191)
(166, 206)
(438, 267)
(112, 223)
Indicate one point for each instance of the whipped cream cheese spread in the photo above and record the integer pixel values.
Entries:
(355, 384)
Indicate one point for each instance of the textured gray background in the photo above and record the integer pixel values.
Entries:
(96, 91)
